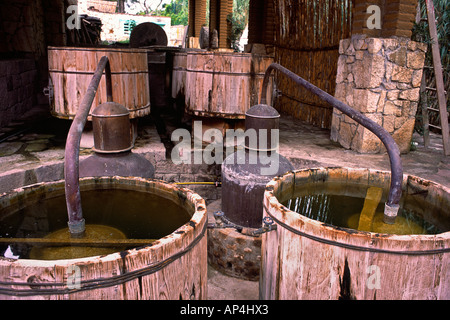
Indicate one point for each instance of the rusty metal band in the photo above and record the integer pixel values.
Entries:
(96, 283)
(92, 72)
(71, 115)
(354, 247)
(110, 115)
(258, 75)
(99, 49)
(261, 117)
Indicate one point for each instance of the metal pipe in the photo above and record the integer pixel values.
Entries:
(395, 192)
(71, 163)
(223, 222)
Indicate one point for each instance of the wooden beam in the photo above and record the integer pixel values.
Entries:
(439, 77)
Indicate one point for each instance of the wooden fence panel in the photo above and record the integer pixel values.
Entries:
(307, 35)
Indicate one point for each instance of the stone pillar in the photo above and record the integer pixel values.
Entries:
(218, 20)
(380, 77)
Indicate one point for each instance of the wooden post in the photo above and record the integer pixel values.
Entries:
(439, 77)
(424, 106)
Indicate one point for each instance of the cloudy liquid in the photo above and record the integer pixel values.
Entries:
(139, 215)
(337, 210)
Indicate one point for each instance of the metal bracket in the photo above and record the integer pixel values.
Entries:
(223, 222)
(48, 91)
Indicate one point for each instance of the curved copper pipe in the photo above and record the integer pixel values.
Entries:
(395, 192)
(72, 151)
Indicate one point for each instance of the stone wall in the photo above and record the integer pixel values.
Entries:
(102, 5)
(27, 27)
(17, 87)
(381, 79)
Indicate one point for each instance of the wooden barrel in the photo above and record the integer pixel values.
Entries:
(224, 84)
(160, 72)
(179, 75)
(71, 70)
(309, 259)
(172, 267)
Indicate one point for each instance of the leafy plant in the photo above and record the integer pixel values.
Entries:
(177, 10)
(421, 33)
(238, 20)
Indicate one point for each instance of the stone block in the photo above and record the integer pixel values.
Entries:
(399, 121)
(365, 141)
(335, 125)
(381, 101)
(359, 55)
(403, 85)
(372, 101)
(410, 94)
(403, 135)
(346, 133)
(350, 78)
(388, 71)
(422, 46)
(349, 96)
(416, 59)
(359, 44)
(389, 108)
(390, 85)
(398, 56)
(360, 99)
(343, 45)
(341, 91)
(341, 74)
(376, 117)
(412, 45)
(390, 44)
(401, 74)
(416, 78)
(350, 49)
(369, 72)
(413, 108)
(374, 45)
(392, 94)
(389, 122)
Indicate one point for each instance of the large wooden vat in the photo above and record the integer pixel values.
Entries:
(223, 84)
(308, 259)
(179, 75)
(173, 267)
(71, 70)
(160, 72)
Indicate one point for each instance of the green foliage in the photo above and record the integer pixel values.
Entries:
(238, 20)
(421, 33)
(177, 10)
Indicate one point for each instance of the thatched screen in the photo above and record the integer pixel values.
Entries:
(307, 34)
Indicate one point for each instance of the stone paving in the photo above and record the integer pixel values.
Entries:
(36, 153)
